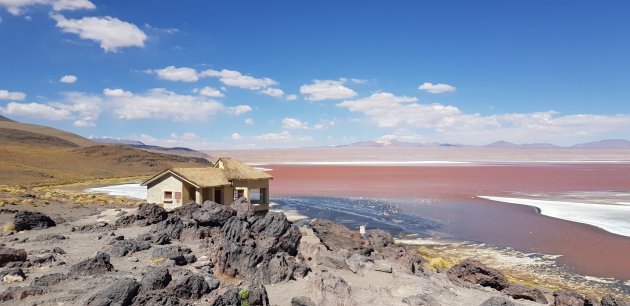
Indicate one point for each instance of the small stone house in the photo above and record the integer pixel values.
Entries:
(223, 183)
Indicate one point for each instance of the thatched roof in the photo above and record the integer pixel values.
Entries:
(235, 170)
(224, 171)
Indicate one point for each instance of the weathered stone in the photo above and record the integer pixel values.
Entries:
(404, 259)
(28, 220)
(179, 254)
(332, 260)
(121, 248)
(95, 265)
(243, 208)
(518, 291)
(157, 298)
(20, 293)
(213, 214)
(567, 298)
(228, 296)
(302, 301)
(337, 237)
(256, 295)
(156, 278)
(609, 300)
(497, 301)
(146, 214)
(328, 289)
(8, 255)
(380, 239)
(13, 275)
(189, 287)
(120, 293)
(472, 271)
(48, 280)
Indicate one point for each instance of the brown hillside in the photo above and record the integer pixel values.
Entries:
(39, 155)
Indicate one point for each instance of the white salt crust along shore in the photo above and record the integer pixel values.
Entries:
(612, 218)
(128, 190)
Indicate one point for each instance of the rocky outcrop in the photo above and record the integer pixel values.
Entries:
(121, 248)
(337, 237)
(146, 214)
(181, 255)
(567, 298)
(243, 208)
(472, 271)
(95, 265)
(328, 289)
(20, 293)
(121, 293)
(8, 255)
(518, 291)
(189, 287)
(609, 300)
(421, 300)
(156, 278)
(302, 301)
(208, 214)
(380, 239)
(28, 220)
(49, 280)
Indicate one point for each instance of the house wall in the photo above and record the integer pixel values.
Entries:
(155, 191)
(246, 185)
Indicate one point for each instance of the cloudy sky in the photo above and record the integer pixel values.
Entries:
(256, 74)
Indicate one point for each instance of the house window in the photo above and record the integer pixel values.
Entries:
(168, 196)
(257, 195)
(238, 193)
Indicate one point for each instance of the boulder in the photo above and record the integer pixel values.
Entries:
(121, 248)
(179, 254)
(567, 298)
(256, 295)
(302, 301)
(331, 260)
(120, 293)
(95, 265)
(278, 233)
(472, 271)
(146, 214)
(157, 298)
(497, 301)
(328, 289)
(156, 278)
(13, 275)
(403, 259)
(380, 239)
(20, 293)
(337, 237)
(243, 207)
(28, 220)
(48, 280)
(8, 255)
(213, 214)
(189, 287)
(382, 266)
(228, 296)
(518, 291)
(609, 300)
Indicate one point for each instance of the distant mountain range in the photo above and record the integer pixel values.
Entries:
(182, 151)
(602, 144)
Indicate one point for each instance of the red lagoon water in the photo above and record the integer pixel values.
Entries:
(447, 194)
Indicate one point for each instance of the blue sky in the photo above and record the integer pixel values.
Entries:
(255, 74)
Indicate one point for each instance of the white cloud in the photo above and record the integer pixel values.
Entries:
(274, 92)
(237, 79)
(12, 95)
(436, 88)
(292, 97)
(292, 123)
(249, 121)
(116, 92)
(239, 110)
(86, 109)
(448, 123)
(163, 104)
(111, 33)
(72, 5)
(172, 73)
(326, 90)
(68, 79)
(284, 136)
(35, 111)
(17, 7)
(211, 92)
(236, 136)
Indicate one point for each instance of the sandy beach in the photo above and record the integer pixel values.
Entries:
(447, 194)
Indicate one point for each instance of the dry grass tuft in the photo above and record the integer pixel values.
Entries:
(8, 227)
(158, 260)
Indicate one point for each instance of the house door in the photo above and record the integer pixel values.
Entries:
(218, 196)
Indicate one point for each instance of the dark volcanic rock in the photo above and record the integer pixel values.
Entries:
(497, 301)
(229, 296)
(189, 287)
(120, 293)
(609, 300)
(8, 255)
(257, 295)
(404, 259)
(179, 254)
(567, 298)
(243, 208)
(518, 291)
(49, 280)
(20, 293)
(276, 233)
(121, 248)
(146, 214)
(337, 237)
(380, 239)
(472, 271)
(27, 220)
(156, 278)
(157, 298)
(213, 214)
(302, 301)
(95, 265)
